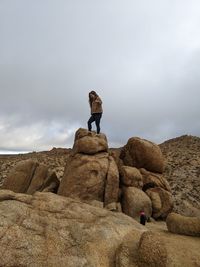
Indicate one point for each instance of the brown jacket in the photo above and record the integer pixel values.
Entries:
(96, 106)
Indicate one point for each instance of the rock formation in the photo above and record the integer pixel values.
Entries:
(29, 176)
(179, 224)
(141, 166)
(162, 202)
(182, 161)
(92, 175)
(141, 153)
(89, 143)
(157, 248)
(54, 159)
(134, 200)
(45, 229)
(131, 176)
(90, 172)
(154, 180)
(152, 250)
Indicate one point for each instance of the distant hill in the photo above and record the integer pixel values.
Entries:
(183, 172)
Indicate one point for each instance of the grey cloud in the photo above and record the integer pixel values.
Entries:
(142, 57)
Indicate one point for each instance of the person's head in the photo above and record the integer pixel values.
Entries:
(92, 96)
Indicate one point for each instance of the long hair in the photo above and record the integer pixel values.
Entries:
(90, 98)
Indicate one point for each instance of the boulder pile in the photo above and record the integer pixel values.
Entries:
(130, 183)
(142, 182)
(134, 180)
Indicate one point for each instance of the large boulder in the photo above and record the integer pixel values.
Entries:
(152, 251)
(43, 180)
(28, 176)
(89, 142)
(162, 202)
(45, 229)
(131, 176)
(183, 225)
(38, 178)
(91, 177)
(134, 200)
(141, 153)
(127, 253)
(154, 179)
(85, 177)
(158, 248)
(19, 178)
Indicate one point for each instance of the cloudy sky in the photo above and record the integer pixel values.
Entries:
(142, 58)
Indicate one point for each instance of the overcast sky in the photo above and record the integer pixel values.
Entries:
(141, 57)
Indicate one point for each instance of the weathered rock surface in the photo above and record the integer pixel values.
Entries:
(134, 200)
(141, 153)
(112, 183)
(145, 166)
(155, 179)
(55, 160)
(182, 170)
(89, 142)
(85, 177)
(162, 202)
(43, 180)
(179, 224)
(152, 251)
(127, 253)
(45, 229)
(20, 177)
(90, 175)
(157, 247)
(114, 206)
(29, 176)
(131, 176)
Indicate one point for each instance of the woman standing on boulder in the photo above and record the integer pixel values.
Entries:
(96, 110)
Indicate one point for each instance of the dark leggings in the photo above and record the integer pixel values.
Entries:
(95, 117)
(143, 219)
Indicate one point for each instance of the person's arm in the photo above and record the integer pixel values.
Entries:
(98, 100)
